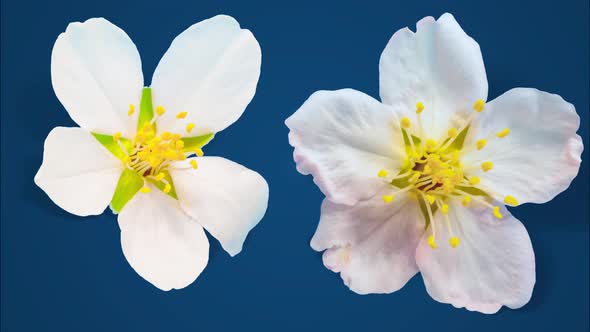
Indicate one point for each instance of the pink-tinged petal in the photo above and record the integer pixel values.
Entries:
(541, 154)
(343, 138)
(371, 244)
(493, 265)
(162, 244)
(438, 65)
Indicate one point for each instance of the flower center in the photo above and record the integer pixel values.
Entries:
(434, 174)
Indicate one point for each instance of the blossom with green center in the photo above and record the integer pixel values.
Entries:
(139, 149)
(419, 181)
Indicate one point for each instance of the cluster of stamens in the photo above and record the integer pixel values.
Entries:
(434, 173)
(151, 154)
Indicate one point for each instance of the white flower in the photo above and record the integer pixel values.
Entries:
(126, 155)
(417, 182)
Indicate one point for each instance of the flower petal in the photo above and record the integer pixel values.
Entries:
(162, 244)
(439, 65)
(343, 138)
(371, 244)
(210, 71)
(77, 173)
(96, 75)
(541, 155)
(225, 197)
(493, 265)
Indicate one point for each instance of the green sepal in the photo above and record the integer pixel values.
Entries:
(108, 142)
(415, 140)
(473, 191)
(459, 141)
(160, 185)
(129, 184)
(196, 142)
(146, 109)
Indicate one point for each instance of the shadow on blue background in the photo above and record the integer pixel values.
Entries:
(62, 272)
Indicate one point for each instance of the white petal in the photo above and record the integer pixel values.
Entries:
(541, 155)
(96, 74)
(225, 197)
(493, 265)
(343, 138)
(77, 173)
(210, 71)
(371, 244)
(440, 66)
(162, 244)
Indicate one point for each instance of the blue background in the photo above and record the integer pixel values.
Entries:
(67, 273)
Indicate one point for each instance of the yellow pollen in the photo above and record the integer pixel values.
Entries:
(166, 136)
(167, 188)
(406, 122)
(160, 110)
(503, 133)
(480, 144)
(431, 144)
(466, 200)
(194, 164)
(160, 176)
(479, 105)
(117, 137)
(382, 173)
(473, 180)
(179, 145)
(430, 199)
(444, 209)
(419, 107)
(387, 199)
(487, 165)
(496, 212)
(199, 152)
(181, 115)
(126, 159)
(131, 110)
(431, 242)
(145, 190)
(454, 241)
(175, 137)
(452, 132)
(189, 127)
(510, 200)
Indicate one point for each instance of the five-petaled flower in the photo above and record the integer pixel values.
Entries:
(419, 181)
(139, 149)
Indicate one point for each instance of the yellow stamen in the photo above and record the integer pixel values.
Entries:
(444, 209)
(430, 199)
(382, 173)
(167, 188)
(487, 165)
(160, 176)
(189, 127)
(474, 180)
(179, 145)
(414, 177)
(431, 242)
(431, 144)
(454, 241)
(116, 137)
(452, 132)
(194, 164)
(166, 136)
(131, 110)
(466, 200)
(405, 123)
(479, 105)
(160, 110)
(496, 212)
(503, 133)
(387, 199)
(181, 115)
(510, 200)
(199, 152)
(145, 190)
(419, 107)
(480, 144)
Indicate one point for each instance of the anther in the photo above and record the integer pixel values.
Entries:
(431, 242)
(480, 144)
(466, 200)
(419, 107)
(382, 173)
(406, 122)
(131, 110)
(430, 199)
(167, 188)
(454, 241)
(199, 152)
(166, 136)
(444, 209)
(189, 127)
(452, 132)
(117, 137)
(487, 165)
(181, 115)
(510, 200)
(179, 144)
(194, 164)
(431, 144)
(160, 176)
(503, 133)
(160, 110)
(387, 199)
(474, 180)
(479, 105)
(496, 212)
(145, 190)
